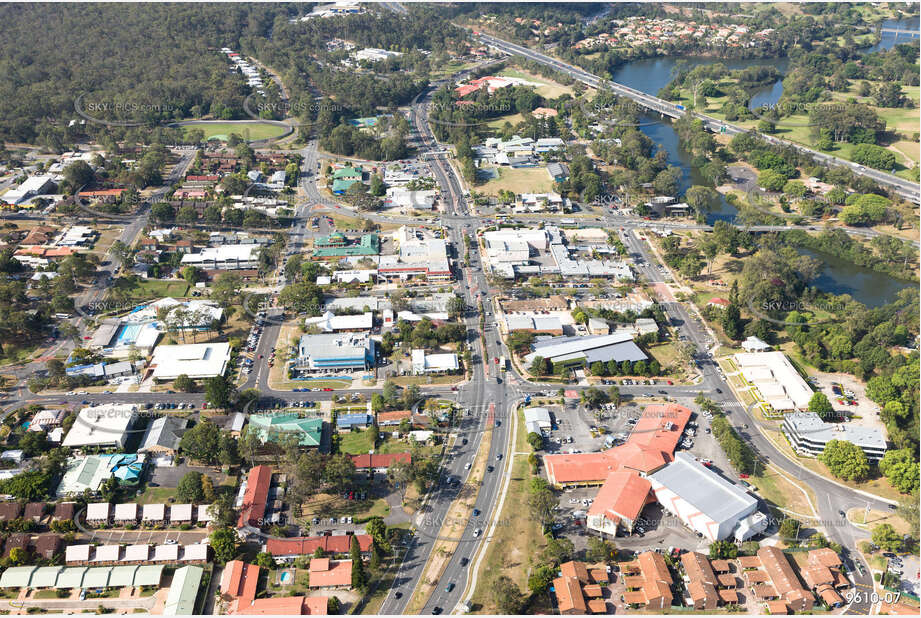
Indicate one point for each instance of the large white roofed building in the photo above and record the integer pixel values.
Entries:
(196, 360)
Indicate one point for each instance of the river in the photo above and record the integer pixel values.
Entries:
(650, 75)
(838, 276)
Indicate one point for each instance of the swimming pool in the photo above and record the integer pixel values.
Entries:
(129, 332)
(286, 577)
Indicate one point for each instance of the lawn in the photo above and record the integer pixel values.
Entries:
(145, 289)
(156, 495)
(780, 492)
(498, 123)
(547, 89)
(248, 131)
(328, 505)
(355, 442)
(519, 539)
(422, 380)
(518, 180)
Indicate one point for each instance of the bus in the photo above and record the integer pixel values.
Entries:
(502, 365)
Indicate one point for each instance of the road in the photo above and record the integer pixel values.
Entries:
(906, 189)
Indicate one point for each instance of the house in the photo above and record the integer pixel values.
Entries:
(10, 511)
(388, 419)
(361, 420)
(153, 513)
(326, 573)
(379, 462)
(255, 497)
(558, 172)
(98, 513)
(783, 580)
(239, 586)
(653, 582)
(702, 582)
(331, 545)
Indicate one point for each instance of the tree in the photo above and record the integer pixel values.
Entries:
(224, 544)
(377, 530)
(201, 442)
(506, 596)
(723, 550)
(184, 384)
(845, 460)
(820, 405)
(219, 392)
(558, 551)
(900, 468)
(789, 529)
(600, 550)
(541, 578)
(885, 536)
(535, 440)
(265, 560)
(333, 605)
(594, 397)
(359, 577)
(772, 180)
(401, 474)
(874, 156)
(190, 489)
(78, 174)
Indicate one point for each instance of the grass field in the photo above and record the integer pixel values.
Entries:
(355, 442)
(157, 288)
(520, 180)
(248, 131)
(547, 89)
(518, 540)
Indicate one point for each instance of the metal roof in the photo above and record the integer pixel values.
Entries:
(148, 575)
(706, 490)
(122, 576)
(17, 577)
(97, 577)
(71, 577)
(183, 591)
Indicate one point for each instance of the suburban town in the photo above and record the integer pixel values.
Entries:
(460, 308)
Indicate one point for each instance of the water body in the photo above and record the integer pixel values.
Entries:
(888, 40)
(872, 288)
(652, 74)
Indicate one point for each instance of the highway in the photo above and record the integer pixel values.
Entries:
(906, 189)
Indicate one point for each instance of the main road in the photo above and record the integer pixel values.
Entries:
(908, 190)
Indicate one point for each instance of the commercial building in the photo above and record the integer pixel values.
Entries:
(775, 377)
(329, 322)
(196, 360)
(401, 197)
(30, 187)
(337, 245)
(104, 426)
(704, 501)
(161, 441)
(88, 472)
(419, 257)
(336, 352)
(271, 428)
(619, 502)
(809, 434)
(424, 363)
(224, 257)
(549, 324)
(537, 420)
(580, 350)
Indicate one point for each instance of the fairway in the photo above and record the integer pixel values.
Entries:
(248, 131)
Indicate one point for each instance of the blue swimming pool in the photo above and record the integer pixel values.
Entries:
(129, 332)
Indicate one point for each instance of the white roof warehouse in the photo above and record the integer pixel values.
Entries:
(196, 360)
(702, 499)
(102, 426)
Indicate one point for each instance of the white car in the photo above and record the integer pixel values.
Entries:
(476, 532)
